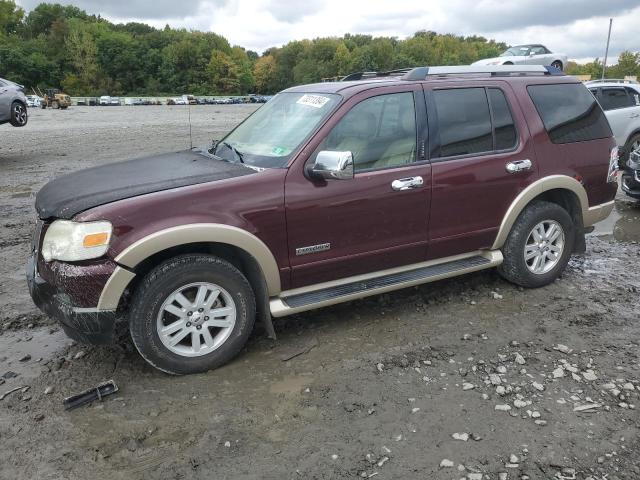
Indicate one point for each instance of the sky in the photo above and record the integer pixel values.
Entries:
(577, 28)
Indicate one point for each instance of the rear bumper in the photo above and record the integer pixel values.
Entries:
(85, 325)
(598, 213)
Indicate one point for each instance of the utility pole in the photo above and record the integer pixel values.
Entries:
(606, 53)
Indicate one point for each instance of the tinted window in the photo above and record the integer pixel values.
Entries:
(505, 129)
(380, 132)
(635, 96)
(616, 97)
(569, 112)
(464, 122)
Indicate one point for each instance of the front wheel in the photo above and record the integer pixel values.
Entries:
(18, 114)
(539, 245)
(191, 314)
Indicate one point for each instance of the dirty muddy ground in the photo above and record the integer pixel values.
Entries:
(466, 378)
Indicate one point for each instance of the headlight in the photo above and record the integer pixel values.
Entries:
(73, 241)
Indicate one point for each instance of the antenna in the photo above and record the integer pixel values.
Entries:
(190, 136)
(606, 53)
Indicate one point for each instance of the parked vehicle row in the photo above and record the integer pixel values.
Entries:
(328, 193)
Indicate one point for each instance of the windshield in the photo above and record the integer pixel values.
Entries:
(269, 136)
(516, 52)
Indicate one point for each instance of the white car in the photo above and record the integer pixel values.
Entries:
(34, 101)
(527, 55)
(105, 100)
(620, 100)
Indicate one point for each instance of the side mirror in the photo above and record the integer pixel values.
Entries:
(333, 165)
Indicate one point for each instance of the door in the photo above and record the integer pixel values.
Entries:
(341, 228)
(538, 55)
(481, 158)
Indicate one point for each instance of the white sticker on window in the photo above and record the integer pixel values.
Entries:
(316, 101)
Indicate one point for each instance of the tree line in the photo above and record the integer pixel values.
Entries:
(86, 55)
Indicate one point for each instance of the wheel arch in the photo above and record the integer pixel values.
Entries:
(231, 243)
(560, 189)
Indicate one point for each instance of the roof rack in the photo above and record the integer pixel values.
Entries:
(421, 73)
(365, 75)
(611, 80)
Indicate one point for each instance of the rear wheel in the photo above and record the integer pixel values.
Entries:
(557, 64)
(191, 314)
(539, 245)
(18, 114)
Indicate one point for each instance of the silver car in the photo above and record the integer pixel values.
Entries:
(534, 54)
(13, 104)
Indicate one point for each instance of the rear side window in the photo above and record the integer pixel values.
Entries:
(464, 122)
(473, 121)
(569, 112)
(614, 98)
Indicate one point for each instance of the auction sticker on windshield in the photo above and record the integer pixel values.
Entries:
(316, 101)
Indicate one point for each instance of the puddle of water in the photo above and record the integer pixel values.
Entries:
(42, 345)
(622, 225)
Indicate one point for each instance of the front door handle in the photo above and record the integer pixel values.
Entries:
(407, 183)
(519, 166)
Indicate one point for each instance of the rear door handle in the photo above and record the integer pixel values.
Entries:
(519, 166)
(407, 183)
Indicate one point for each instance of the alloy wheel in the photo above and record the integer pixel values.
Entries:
(19, 114)
(196, 319)
(544, 247)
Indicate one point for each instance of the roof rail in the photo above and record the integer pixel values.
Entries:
(421, 73)
(611, 80)
(388, 73)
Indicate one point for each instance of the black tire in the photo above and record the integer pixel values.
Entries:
(166, 278)
(557, 64)
(624, 154)
(514, 267)
(19, 115)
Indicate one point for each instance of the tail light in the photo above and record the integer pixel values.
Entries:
(612, 174)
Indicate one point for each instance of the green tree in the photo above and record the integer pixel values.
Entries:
(224, 73)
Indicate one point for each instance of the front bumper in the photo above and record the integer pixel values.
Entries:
(85, 325)
(630, 182)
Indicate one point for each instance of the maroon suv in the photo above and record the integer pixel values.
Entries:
(328, 193)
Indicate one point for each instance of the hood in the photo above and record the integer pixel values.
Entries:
(71, 194)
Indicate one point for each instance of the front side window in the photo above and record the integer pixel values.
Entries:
(464, 122)
(614, 98)
(269, 136)
(570, 113)
(380, 132)
(635, 97)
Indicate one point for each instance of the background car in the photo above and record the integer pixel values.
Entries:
(34, 101)
(535, 54)
(620, 100)
(13, 104)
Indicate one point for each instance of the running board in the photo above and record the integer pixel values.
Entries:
(360, 286)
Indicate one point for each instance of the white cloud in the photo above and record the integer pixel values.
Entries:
(575, 27)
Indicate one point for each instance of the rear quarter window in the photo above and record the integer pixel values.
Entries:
(570, 113)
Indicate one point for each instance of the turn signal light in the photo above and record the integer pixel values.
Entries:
(95, 239)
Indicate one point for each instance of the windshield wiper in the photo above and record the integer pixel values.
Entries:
(237, 153)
